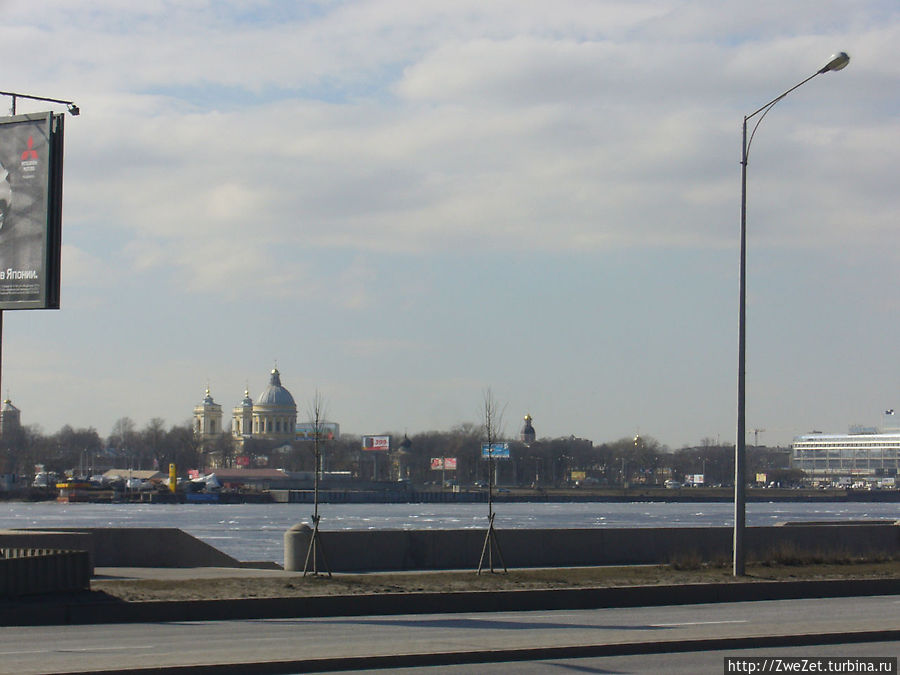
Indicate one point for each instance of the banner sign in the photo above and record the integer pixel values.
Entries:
(328, 431)
(31, 154)
(376, 443)
(495, 451)
(443, 463)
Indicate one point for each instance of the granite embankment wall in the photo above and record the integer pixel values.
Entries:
(27, 571)
(43, 561)
(126, 546)
(349, 551)
(346, 551)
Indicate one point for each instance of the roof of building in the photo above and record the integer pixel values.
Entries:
(208, 401)
(275, 394)
(239, 475)
(886, 435)
(135, 473)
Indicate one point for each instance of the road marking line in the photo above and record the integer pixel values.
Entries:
(695, 623)
(80, 650)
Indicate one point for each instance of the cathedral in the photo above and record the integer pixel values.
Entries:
(272, 417)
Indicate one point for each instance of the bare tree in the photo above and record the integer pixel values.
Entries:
(317, 417)
(492, 426)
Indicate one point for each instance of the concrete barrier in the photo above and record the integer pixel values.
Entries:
(48, 539)
(26, 571)
(130, 546)
(350, 551)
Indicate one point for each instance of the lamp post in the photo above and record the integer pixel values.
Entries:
(73, 110)
(837, 62)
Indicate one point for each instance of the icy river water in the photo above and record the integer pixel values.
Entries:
(255, 531)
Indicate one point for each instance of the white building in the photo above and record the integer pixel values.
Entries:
(857, 455)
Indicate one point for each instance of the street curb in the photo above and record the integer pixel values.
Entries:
(393, 661)
(30, 613)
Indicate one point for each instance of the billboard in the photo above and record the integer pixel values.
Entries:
(328, 431)
(31, 158)
(495, 451)
(376, 443)
(443, 463)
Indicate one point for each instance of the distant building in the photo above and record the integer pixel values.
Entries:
(527, 434)
(10, 418)
(207, 417)
(855, 455)
(272, 417)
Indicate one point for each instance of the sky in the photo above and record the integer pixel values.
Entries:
(403, 205)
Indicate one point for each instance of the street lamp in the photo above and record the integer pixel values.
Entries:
(837, 62)
(73, 109)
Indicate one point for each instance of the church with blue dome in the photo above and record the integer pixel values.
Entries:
(272, 417)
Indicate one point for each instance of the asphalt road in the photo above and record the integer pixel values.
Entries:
(300, 644)
(689, 663)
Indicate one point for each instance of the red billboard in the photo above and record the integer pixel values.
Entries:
(376, 443)
(31, 158)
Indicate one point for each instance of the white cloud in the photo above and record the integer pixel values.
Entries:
(269, 156)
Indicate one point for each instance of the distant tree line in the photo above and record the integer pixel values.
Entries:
(83, 451)
(548, 462)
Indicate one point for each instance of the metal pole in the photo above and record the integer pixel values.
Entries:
(739, 447)
(837, 62)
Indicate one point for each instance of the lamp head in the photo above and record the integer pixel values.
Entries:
(74, 110)
(838, 62)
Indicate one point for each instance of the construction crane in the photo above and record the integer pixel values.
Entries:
(756, 433)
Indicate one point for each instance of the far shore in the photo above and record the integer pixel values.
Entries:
(345, 493)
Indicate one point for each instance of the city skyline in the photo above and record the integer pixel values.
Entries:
(405, 205)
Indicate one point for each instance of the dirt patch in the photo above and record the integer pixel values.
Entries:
(296, 585)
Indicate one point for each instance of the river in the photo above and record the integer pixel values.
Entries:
(255, 531)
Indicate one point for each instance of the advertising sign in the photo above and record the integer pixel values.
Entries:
(376, 443)
(495, 451)
(443, 463)
(31, 154)
(242, 460)
(328, 431)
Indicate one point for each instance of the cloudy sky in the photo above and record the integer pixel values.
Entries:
(405, 203)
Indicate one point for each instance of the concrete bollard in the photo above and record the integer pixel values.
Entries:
(296, 544)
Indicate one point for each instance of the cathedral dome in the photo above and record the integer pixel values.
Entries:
(275, 394)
